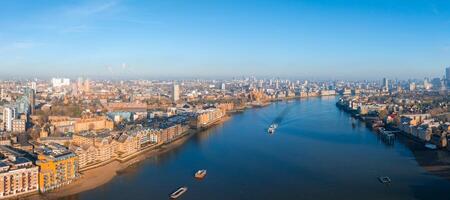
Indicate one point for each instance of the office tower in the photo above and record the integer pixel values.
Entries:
(447, 76)
(223, 87)
(426, 84)
(385, 84)
(33, 85)
(175, 92)
(412, 86)
(436, 82)
(80, 84)
(30, 94)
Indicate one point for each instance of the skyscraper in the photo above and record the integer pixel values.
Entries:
(80, 84)
(30, 93)
(175, 92)
(87, 86)
(223, 87)
(447, 76)
(385, 84)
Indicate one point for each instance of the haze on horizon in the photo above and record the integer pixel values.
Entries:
(342, 39)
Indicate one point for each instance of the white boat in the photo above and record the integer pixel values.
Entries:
(200, 174)
(272, 128)
(430, 146)
(178, 193)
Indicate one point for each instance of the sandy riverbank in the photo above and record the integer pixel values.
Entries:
(93, 178)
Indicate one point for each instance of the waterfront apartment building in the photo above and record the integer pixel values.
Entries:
(327, 92)
(86, 154)
(58, 166)
(207, 117)
(127, 145)
(18, 175)
(93, 124)
(92, 148)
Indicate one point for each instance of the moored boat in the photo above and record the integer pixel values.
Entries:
(200, 174)
(178, 193)
(430, 146)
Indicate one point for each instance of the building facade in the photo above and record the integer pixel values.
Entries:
(18, 175)
(58, 167)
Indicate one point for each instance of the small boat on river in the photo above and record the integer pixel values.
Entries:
(178, 193)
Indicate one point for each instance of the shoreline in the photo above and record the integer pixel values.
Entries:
(435, 162)
(98, 176)
(95, 177)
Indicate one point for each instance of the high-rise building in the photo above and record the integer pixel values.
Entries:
(80, 84)
(412, 86)
(447, 76)
(223, 87)
(385, 84)
(436, 82)
(175, 92)
(30, 93)
(426, 84)
(87, 86)
(33, 85)
(9, 114)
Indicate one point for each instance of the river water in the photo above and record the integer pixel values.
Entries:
(315, 153)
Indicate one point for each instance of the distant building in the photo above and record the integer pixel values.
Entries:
(175, 92)
(223, 86)
(436, 82)
(9, 114)
(385, 84)
(59, 82)
(30, 93)
(87, 86)
(412, 86)
(447, 76)
(93, 124)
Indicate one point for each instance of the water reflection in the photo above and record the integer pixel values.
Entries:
(315, 154)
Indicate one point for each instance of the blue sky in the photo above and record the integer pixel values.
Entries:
(351, 39)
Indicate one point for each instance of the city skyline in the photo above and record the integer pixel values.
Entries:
(170, 39)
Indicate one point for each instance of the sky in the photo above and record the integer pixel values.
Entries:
(340, 39)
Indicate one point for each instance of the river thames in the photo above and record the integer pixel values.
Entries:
(315, 153)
